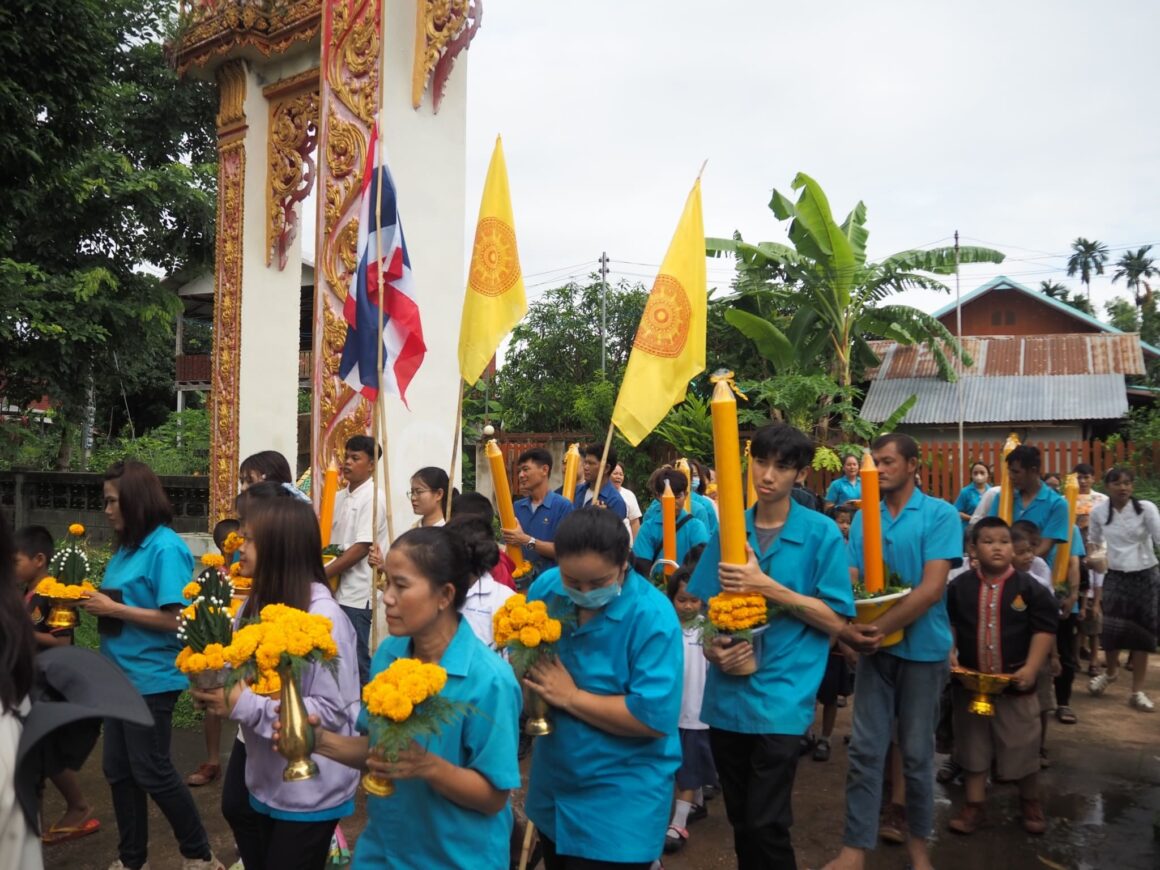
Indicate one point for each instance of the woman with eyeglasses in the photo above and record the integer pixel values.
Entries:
(430, 494)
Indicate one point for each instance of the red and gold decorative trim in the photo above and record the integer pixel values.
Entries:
(209, 29)
(443, 28)
(293, 133)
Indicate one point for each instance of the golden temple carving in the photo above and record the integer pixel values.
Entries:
(443, 28)
(212, 28)
(293, 133)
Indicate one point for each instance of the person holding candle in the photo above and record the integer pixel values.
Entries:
(690, 531)
(1036, 502)
(795, 558)
(848, 487)
(921, 539)
(608, 497)
(539, 512)
(354, 530)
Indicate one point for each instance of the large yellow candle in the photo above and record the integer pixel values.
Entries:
(750, 487)
(727, 459)
(326, 506)
(503, 499)
(571, 471)
(1006, 493)
(1063, 551)
(669, 527)
(682, 465)
(873, 571)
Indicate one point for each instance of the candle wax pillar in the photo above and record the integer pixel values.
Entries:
(727, 460)
(874, 570)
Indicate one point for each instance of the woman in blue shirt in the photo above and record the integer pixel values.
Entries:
(137, 608)
(450, 807)
(972, 493)
(848, 487)
(602, 782)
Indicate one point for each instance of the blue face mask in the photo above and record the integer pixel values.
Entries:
(695, 484)
(594, 599)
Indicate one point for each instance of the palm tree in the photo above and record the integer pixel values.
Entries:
(1086, 257)
(1135, 267)
(1053, 289)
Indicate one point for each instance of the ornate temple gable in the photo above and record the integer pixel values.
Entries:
(443, 29)
(209, 29)
(293, 134)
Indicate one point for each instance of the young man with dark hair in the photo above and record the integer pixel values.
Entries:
(354, 529)
(797, 561)
(608, 496)
(539, 512)
(1034, 501)
(922, 540)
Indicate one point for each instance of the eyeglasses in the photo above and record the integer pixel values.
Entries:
(414, 493)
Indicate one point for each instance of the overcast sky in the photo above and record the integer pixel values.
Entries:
(1022, 125)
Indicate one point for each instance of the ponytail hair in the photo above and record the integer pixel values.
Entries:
(1118, 473)
(436, 478)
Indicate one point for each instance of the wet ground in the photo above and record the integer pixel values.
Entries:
(1101, 795)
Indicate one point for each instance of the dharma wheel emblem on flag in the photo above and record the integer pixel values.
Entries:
(495, 266)
(664, 326)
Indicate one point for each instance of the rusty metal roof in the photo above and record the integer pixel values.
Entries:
(1000, 399)
(1019, 355)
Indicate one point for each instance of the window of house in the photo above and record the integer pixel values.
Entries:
(1010, 317)
(996, 317)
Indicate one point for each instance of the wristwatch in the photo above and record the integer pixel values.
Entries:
(532, 543)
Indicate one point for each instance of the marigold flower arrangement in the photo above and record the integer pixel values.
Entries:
(738, 615)
(207, 624)
(232, 544)
(403, 705)
(69, 569)
(283, 637)
(526, 630)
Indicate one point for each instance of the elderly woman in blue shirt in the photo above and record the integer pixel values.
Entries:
(601, 782)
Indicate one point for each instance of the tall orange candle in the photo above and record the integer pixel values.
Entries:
(326, 505)
(503, 499)
(873, 571)
(669, 527)
(727, 459)
(1063, 551)
(750, 487)
(571, 471)
(682, 465)
(1006, 492)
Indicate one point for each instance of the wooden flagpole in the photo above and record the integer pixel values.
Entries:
(456, 449)
(603, 462)
(377, 429)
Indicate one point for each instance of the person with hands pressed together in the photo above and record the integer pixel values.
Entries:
(450, 807)
(539, 512)
(602, 782)
(1003, 622)
(921, 541)
(137, 608)
(797, 561)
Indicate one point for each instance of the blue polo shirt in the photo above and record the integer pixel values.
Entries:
(608, 494)
(701, 507)
(151, 576)
(598, 795)
(842, 491)
(968, 500)
(1048, 510)
(925, 529)
(809, 557)
(541, 524)
(417, 828)
(649, 543)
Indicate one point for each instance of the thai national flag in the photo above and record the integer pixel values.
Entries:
(382, 260)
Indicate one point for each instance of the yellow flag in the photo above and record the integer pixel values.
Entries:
(669, 350)
(495, 299)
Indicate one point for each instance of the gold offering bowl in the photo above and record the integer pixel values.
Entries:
(984, 686)
(63, 612)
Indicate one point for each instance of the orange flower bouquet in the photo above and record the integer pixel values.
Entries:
(206, 625)
(528, 634)
(403, 704)
(742, 618)
(68, 582)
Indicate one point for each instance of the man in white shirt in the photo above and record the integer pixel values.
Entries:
(354, 530)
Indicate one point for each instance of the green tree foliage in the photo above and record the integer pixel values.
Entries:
(108, 178)
(1136, 267)
(1056, 290)
(1087, 259)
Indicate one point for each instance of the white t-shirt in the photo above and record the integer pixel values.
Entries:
(630, 503)
(484, 598)
(1132, 538)
(354, 524)
(1042, 572)
(696, 667)
(19, 847)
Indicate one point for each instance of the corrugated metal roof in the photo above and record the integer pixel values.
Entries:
(1001, 399)
(1030, 355)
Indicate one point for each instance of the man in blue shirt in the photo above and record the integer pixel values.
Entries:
(1035, 502)
(608, 496)
(797, 562)
(921, 540)
(539, 512)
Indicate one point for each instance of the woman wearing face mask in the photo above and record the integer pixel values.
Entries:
(970, 494)
(616, 690)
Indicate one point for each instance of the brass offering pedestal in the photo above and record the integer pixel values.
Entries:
(296, 741)
(984, 686)
(538, 724)
(63, 613)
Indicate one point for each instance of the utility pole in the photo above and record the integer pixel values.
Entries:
(603, 309)
(959, 358)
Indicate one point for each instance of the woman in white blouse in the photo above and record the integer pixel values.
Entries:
(1131, 597)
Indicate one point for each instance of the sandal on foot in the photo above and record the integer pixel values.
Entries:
(62, 834)
(675, 839)
(1066, 715)
(204, 775)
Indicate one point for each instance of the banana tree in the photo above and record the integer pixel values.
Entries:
(837, 293)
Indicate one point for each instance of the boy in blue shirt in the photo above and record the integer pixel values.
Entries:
(608, 496)
(921, 540)
(797, 561)
(691, 532)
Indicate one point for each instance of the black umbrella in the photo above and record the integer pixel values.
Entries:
(74, 690)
